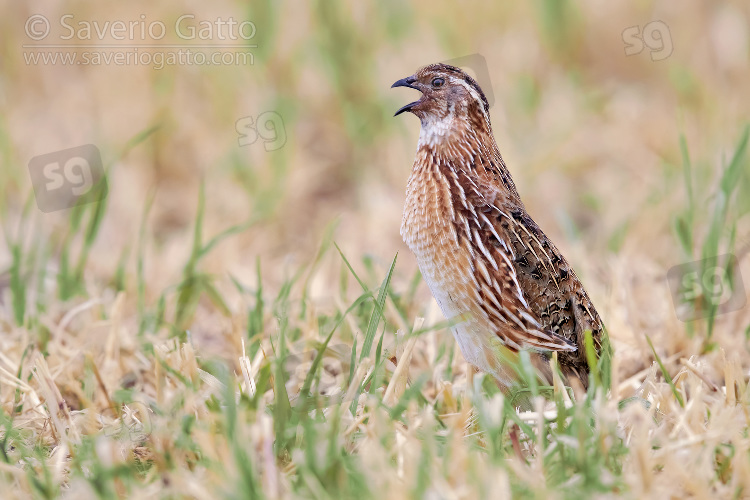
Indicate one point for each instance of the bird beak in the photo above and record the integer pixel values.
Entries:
(406, 82)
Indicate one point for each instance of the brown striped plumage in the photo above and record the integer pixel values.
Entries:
(489, 266)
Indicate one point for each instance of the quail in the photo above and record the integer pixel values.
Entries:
(495, 275)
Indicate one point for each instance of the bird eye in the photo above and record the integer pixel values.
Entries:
(438, 82)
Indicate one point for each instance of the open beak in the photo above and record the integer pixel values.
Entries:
(406, 82)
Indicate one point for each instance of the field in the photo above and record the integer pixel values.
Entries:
(233, 314)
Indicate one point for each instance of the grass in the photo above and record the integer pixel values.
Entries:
(387, 422)
(236, 323)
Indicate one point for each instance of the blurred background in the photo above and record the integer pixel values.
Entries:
(599, 110)
(238, 141)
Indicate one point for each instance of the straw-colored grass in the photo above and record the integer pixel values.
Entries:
(243, 321)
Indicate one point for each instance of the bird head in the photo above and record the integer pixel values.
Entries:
(448, 94)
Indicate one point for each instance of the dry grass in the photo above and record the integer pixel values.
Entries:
(138, 359)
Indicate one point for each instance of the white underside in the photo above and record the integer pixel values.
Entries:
(474, 343)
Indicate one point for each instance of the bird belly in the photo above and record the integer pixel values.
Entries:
(474, 336)
(447, 271)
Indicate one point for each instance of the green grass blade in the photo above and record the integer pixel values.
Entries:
(664, 372)
(684, 224)
(351, 270)
(377, 312)
(321, 351)
(141, 264)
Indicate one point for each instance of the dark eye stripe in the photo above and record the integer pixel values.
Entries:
(468, 79)
(473, 83)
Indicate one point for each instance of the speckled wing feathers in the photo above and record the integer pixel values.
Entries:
(532, 293)
(480, 229)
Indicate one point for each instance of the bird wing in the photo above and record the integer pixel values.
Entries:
(553, 291)
(491, 236)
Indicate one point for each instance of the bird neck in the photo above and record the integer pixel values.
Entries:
(456, 123)
(463, 145)
(456, 136)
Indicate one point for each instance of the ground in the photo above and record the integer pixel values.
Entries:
(236, 314)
